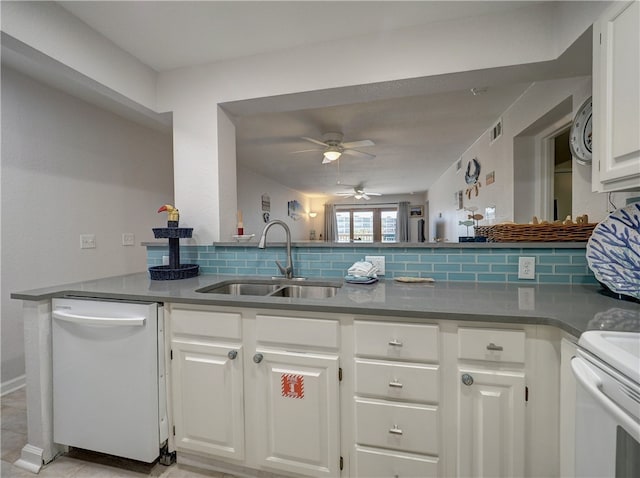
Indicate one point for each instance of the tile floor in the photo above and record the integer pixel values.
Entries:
(75, 464)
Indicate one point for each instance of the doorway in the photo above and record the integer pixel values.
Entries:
(534, 152)
(562, 176)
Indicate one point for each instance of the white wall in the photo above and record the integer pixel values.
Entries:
(522, 123)
(251, 187)
(70, 168)
(524, 36)
(50, 29)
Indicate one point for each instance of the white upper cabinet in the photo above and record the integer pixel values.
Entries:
(616, 98)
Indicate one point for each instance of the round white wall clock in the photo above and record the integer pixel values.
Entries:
(580, 134)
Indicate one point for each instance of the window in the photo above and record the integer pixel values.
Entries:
(366, 225)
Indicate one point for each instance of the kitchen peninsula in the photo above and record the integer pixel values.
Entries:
(532, 327)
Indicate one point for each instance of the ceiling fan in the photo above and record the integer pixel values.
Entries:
(333, 147)
(359, 193)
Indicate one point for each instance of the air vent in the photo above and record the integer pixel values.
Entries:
(496, 131)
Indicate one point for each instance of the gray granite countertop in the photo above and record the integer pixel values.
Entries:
(573, 308)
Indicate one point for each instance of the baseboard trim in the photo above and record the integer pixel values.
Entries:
(30, 459)
(12, 385)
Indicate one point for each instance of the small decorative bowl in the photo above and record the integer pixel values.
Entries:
(244, 237)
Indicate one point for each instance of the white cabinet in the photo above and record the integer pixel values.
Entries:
(207, 382)
(277, 377)
(298, 428)
(263, 391)
(568, 348)
(616, 98)
(293, 390)
(491, 403)
(396, 403)
(491, 423)
(207, 395)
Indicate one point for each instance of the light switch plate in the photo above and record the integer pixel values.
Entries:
(526, 268)
(377, 261)
(128, 239)
(87, 241)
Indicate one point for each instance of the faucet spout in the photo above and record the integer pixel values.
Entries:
(287, 270)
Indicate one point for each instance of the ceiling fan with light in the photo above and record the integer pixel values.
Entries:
(333, 147)
(359, 193)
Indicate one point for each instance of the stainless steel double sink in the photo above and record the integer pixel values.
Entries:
(294, 288)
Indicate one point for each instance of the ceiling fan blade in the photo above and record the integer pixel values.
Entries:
(358, 154)
(307, 151)
(358, 144)
(316, 141)
(365, 196)
(344, 195)
(374, 194)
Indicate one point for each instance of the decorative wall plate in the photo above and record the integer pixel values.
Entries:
(613, 251)
(580, 134)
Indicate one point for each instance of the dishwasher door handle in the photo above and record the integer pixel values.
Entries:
(92, 320)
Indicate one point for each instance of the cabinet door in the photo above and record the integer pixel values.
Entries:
(297, 406)
(491, 423)
(208, 398)
(616, 96)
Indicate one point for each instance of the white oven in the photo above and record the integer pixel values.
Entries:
(607, 371)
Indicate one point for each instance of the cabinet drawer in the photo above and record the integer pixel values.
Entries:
(208, 323)
(397, 340)
(399, 380)
(491, 344)
(371, 463)
(297, 331)
(400, 426)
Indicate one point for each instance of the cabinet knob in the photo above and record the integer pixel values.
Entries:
(257, 358)
(467, 379)
(495, 347)
(395, 430)
(395, 343)
(232, 354)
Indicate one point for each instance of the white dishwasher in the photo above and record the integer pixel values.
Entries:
(108, 377)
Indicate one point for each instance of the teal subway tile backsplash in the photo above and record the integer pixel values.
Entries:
(475, 267)
(482, 263)
(497, 258)
(554, 259)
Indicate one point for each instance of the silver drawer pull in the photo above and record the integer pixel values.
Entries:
(395, 430)
(493, 346)
(395, 384)
(395, 343)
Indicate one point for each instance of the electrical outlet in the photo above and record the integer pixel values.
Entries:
(128, 239)
(526, 268)
(526, 298)
(377, 261)
(87, 241)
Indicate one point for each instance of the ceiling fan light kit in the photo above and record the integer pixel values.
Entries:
(332, 153)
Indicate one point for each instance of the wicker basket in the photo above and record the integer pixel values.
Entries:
(536, 232)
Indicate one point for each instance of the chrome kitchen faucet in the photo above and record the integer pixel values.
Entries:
(262, 244)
